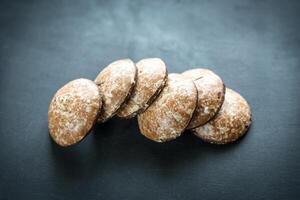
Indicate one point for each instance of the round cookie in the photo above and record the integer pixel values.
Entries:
(151, 78)
(73, 111)
(115, 83)
(231, 122)
(168, 116)
(211, 92)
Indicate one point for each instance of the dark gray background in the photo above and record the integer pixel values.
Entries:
(253, 45)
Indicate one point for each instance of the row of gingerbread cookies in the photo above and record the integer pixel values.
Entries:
(166, 105)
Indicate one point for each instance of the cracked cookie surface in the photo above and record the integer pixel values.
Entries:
(151, 78)
(231, 122)
(168, 116)
(211, 92)
(73, 111)
(115, 83)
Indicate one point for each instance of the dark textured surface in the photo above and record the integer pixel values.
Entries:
(253, 45)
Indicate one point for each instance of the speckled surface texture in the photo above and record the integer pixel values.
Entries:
(73, 111)
(115, 82)
(168, 116)
(253, 45)
(231, 122)
(151, 78)
(211, 92)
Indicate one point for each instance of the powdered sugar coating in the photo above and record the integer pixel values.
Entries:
(167, 117)
(73, 111)
(231, 122)
(115, 83)
(151, 78)
(211, 91)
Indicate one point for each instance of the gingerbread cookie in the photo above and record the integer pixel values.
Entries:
(231, 122)
(115, 83)
(73, 111)
(211, 92)
(168, 116)
(151, 78)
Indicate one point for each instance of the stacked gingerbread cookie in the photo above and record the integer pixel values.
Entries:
(165, 104)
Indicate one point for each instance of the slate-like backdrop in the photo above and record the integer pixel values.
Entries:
(253, 45)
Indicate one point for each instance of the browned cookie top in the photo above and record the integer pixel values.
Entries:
(211, 91)
(73, 111)
(167, 117)
(231, 122)
(115, 83)
(151, 78)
